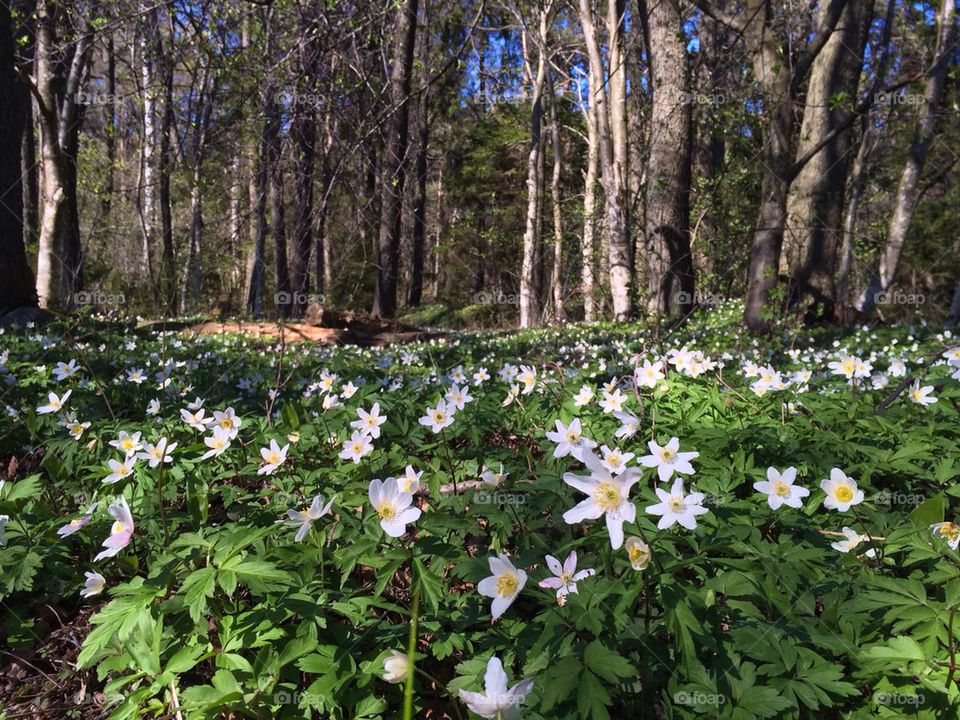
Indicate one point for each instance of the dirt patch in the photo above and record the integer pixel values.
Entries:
(301, 332)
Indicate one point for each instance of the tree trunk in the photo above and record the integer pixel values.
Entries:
(816, 198)
(588, 244)
(168, 272)
(57, 87)
(667, 228)
(394, 162)
(616, 235)
(274, 161)
(17, 289)
(303, 134)
(529, 297)
(854, 191)
(148, 162)
(423, 145)
(908, 191)
(556, 277)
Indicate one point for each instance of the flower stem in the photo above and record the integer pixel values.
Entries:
(411, 656)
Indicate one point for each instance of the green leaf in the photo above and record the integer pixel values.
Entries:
(197, 588)
(431, 588)
(929, 511)
(606, 663)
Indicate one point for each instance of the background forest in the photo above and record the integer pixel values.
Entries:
(516, 161)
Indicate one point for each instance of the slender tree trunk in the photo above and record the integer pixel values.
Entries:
(235, 278)
(148, 163)
(303, 135)
(529, 297)
(168, 272)
(17, 289)
(324, 249)
(423, 146)
(854, 192)
(669, 262)
(617, 255)
(556, 276)
(274, 160)
(394, 162)
(588, 244)
(617, 108)
(908, 190)
(193, 268)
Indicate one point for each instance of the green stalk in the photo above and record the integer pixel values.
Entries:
(411, 659)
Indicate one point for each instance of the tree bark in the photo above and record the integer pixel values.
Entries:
(56, 88)
(556, 276)
(816, 198)
(394, 162)
(423, 145)
(529, 296)
(303, 135)
(588, 243)
(667, 228)
(616, 232)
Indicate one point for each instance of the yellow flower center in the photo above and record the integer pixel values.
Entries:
(676, 504)
(666, 454)
(126, 444)
(573, 437)
(848, 367)
(566, 578)
(439, 417)
(507, 584)
(613, 459)
(117, 528)
(915, 395)
(843, 493)
(273, 458)
(226, 423)
(781, 488)
(950, 531)
(386, 511)
(75, 522)
(607, 496)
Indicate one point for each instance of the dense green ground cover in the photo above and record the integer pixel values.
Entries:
(220, 591)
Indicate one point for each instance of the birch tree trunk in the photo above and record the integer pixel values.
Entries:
(56, 88)
(556, 276)
(588, 243)
(616, 235)
(529, 297)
